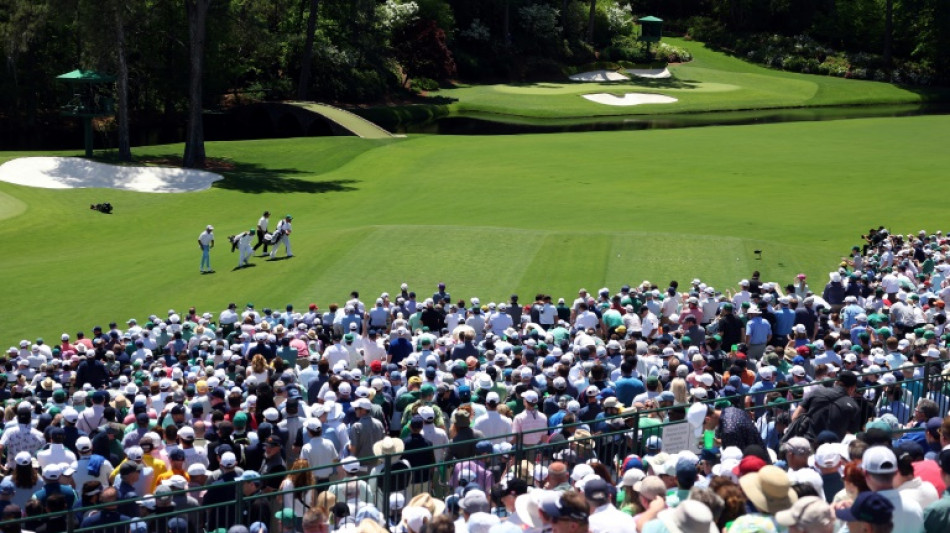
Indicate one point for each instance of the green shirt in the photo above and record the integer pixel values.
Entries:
(937, 515)
(612, 318)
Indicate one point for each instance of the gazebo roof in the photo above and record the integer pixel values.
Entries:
(86, 76)
(649, 19)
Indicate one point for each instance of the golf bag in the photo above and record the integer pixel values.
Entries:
(273, 238)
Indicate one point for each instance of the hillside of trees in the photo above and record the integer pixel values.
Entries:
(175, 58)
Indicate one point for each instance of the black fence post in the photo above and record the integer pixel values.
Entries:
(238, 502)
(387, 484)
(519, 452)
(636, 434)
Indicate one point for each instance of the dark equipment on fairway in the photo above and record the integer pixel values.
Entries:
(104, 208)
(758, 254)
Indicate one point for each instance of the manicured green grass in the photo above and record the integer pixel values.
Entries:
(487, 215)
(713, 81)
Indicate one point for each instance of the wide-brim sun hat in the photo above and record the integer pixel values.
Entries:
(769, 489)
(389, 446)
(425, 500)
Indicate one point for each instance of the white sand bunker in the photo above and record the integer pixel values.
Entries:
(599, 75)
(653, 73)
(74, 172)
(629, 99)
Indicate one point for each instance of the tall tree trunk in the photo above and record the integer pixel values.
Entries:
(888, 33)
(122, 114)
(195, 135)
(303, 87)
(507, 28)
(590, 21)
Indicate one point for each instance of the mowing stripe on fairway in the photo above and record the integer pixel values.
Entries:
(487, 215)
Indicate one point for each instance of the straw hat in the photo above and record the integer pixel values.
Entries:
(426, 501)
(769, 489)
(389, 446)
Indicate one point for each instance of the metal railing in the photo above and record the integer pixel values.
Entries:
(623, 435)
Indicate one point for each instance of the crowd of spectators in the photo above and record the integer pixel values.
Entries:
(819, 411)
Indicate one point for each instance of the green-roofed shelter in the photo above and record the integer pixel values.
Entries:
(90, 97)
(651, 29)
(86, 76)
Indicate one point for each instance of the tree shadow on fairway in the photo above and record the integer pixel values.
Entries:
(662, 83)
(252, 178)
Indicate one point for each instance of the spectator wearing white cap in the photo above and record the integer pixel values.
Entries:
(89, 467)
(880, 464)
(493, 424)
(436, 435)
(318, 450)
(51, 485)
(531, 423)
(501, 320)
(364, 433)
(222, 491)
(758, 333)
(21, 437)
(827, 461)
(25, 479)
(742, 296)
(759, 389)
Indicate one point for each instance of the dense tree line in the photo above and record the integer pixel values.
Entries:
(174, 58)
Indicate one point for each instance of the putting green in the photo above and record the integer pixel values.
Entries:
(711, 82)
(554, 89)
(489, 216)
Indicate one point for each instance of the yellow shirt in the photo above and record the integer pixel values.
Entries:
(158, 467)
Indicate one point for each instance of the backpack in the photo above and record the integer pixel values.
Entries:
(834, 411)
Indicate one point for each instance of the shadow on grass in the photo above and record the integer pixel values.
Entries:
(256, 179)
(251, 178)
(435, 99)
(664, 83)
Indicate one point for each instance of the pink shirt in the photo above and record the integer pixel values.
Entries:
(532, 425)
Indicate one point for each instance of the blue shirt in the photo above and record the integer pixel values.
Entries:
(849, 314)
(758, 391)
(784, 320)
(757, 330)
(53, 488)
(627, 388)
(352, 319)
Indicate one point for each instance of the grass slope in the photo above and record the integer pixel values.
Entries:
(713, 81)
(487, 215)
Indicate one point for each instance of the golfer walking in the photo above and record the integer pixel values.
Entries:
(262, 230)
(206, 242)
(244, 247)
(283, 229)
